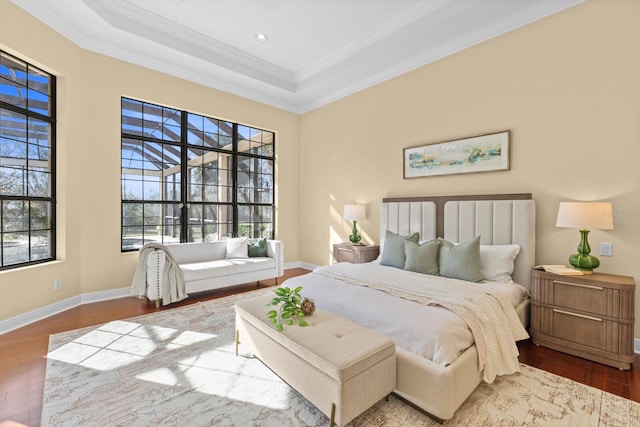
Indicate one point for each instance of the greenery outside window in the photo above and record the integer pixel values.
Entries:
(27, 163)
(192, 178)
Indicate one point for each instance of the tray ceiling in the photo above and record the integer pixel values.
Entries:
(317, 51)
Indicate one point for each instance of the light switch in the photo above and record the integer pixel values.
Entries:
(606, 249)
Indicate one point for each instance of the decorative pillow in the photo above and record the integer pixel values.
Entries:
(258, 248)
(237, 247)
(497, 261)
(422, 258)
(393, 250)
(460, 261)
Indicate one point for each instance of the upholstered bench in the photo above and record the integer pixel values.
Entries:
(341, 367)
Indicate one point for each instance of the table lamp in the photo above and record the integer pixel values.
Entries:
(354, 213)
(585, 216)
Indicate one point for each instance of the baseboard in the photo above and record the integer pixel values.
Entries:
(48, 311)
(299, 264)
(25, 319)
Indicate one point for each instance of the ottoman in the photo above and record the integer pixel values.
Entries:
(341, 367)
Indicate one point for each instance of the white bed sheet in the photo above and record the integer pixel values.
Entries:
(433, 332)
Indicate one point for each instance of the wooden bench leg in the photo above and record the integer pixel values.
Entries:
(332, 421)
(157, 303)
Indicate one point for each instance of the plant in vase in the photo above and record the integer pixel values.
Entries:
(292, 307)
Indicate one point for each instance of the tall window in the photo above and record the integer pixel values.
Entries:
(192, 178)
(27, 163)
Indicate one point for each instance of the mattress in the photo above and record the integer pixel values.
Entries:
(430, 331)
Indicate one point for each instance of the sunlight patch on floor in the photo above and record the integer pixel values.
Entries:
(120, 343)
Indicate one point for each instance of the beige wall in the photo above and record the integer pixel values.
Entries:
(568, 88)
(90, 87)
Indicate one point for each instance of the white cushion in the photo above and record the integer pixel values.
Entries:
(497, 261)
(238, 247)
(224, 267)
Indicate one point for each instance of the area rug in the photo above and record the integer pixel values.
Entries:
(178, 368)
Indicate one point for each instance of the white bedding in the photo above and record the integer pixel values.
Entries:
(433, 332)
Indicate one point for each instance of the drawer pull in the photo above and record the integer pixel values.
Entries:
(597, 319)
(597, 288)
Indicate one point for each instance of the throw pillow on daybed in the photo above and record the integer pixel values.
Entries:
(237, 247)
(393, 249)
(258, 248)
(461, 261)
(422, 258)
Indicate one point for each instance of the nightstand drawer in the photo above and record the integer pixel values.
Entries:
(583, 297)
(345, 255)
(581, 329)
(355, 254)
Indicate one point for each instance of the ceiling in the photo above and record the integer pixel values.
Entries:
(317, 51)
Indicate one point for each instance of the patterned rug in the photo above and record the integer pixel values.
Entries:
(178, 368)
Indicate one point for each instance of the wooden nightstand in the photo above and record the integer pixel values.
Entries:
(590, 316)
(356, 254)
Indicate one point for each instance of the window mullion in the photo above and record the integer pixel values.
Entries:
(234, 175)
(184, 182)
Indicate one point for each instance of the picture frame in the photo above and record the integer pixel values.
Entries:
(482, 153)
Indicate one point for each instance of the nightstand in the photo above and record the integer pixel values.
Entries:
(589, 316)
(356, 254)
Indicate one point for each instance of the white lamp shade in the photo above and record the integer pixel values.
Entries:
(354, 213)
(585, 215)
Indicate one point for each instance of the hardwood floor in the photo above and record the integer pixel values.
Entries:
(23, 354)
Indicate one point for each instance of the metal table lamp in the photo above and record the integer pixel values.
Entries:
(585, 216)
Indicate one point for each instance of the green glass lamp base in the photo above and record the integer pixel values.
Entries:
(585, 263)
(582, 260)
(354, 237)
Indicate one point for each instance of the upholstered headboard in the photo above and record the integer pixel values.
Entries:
(499, 219)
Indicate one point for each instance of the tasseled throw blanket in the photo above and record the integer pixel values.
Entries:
(173, 289)
(493, 322)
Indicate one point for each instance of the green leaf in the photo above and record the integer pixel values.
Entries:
(303, 323)
(286, 315)
(274, 320)
(298, 289)
(290, 322)
(282, 291)
(272, 313)
(279, 327)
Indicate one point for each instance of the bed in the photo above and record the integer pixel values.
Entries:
(437, 382)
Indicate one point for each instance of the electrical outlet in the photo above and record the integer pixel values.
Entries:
(57, 284)
(606, 249)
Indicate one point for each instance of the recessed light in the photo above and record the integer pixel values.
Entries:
(261, 37)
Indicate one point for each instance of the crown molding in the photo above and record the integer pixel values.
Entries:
(425, 33)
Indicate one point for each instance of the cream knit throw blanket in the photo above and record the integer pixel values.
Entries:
(494, 323)
(173, 289)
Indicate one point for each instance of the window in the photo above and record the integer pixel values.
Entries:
(27, 163)
(192, 178)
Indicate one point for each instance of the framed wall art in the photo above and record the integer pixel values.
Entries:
(481, 153)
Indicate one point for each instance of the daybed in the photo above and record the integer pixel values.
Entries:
(208, 265)
(441, 385)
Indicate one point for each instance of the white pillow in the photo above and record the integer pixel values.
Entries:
(497, 261)
(238, 247)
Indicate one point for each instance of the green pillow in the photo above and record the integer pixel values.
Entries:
(422, 258)
(461, 261)
(393, 249)
(258, 248)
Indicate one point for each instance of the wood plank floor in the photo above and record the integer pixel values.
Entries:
(23, 355)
